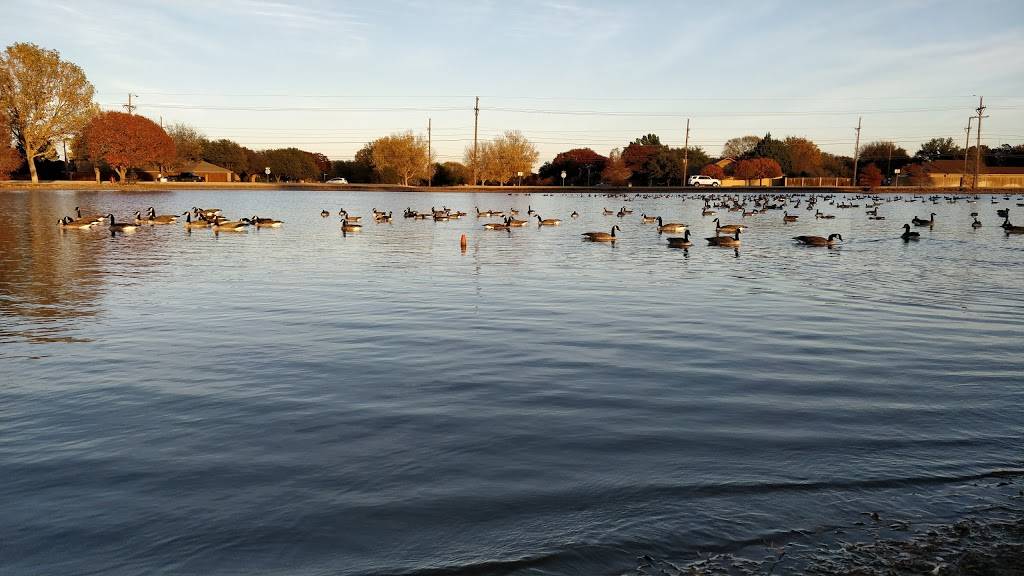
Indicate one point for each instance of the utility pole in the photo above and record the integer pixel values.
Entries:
(430, 159)
(888, 164)
(977, 146)
(967, 144)
(476, 124)
(856, 152)
(129, 106)
(686, 153)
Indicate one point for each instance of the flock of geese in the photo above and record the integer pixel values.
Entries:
(726, 235)
(210, 218)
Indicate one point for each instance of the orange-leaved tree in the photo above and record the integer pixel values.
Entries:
(757, 168)
(713, 170)
(870, 175)
(615, 171)
(917, 175)
(127, 141)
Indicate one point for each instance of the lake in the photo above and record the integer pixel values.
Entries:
(299, 401)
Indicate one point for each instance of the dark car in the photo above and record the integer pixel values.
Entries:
(186, 177)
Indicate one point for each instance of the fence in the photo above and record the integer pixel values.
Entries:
(816, 182)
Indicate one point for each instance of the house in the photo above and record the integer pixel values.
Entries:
(209, 172)
(950, 174)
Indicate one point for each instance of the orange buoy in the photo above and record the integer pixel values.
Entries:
(462, 242)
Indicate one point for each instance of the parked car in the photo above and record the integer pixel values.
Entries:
(701, 180)
(337, 181)
(186, 177)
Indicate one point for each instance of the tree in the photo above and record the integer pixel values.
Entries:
(503, 158)
(804, 157)
(739, 146)
(882, 151)
(713, 170)
(917, 175)
(322, 162)
(615, 170)
(227, 154)
(10, 158)
(648, 140)
(451, 174)
(581, 165)
(45, 99)
(839, 166)
(405, 153)
(695, 157)
(757, 169)
(939, 148)
(127, 141)
(290, 164)
(769, 147)
(189, 145)
(870, 176)
(636, 156)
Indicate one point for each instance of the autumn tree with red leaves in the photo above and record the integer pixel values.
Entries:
(871, 176)
(127, 141)
(757, 169)
(713, 170)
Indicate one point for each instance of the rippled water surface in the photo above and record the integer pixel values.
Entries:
(295, 401)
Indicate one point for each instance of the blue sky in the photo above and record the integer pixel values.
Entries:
(329, 76)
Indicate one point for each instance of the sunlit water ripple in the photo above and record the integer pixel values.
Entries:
(292, 401)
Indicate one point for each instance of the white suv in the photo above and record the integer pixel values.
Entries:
(701, 180)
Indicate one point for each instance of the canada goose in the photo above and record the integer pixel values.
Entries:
(684, 242)
(729, 229)
(346, 226)
(1011, 229)
(152, 218)
(515, 223)
(498, 225)
(922, 222)
(382, 217)
(908, 235)
(529, 210)
(725, 240)
(820, 214)
(574, 214)
(1005, 212)
(200, 223)
(324, 213)
(94, 218)
(608, 212)
(266, 222)
(548, 222)
(138, 218)
(207, 212)
(346, 216)
(976, 223)
(670, 227)
(787, 218)
(645, 219)
(818, 240)
(231, 225)
(602, 236)
(624, 211)
(708, 212)
(79, 224)
(513, 211)
(119, 227)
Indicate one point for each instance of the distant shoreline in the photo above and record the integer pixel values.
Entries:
(20, 185)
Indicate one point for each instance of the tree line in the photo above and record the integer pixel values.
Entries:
(46, 101)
